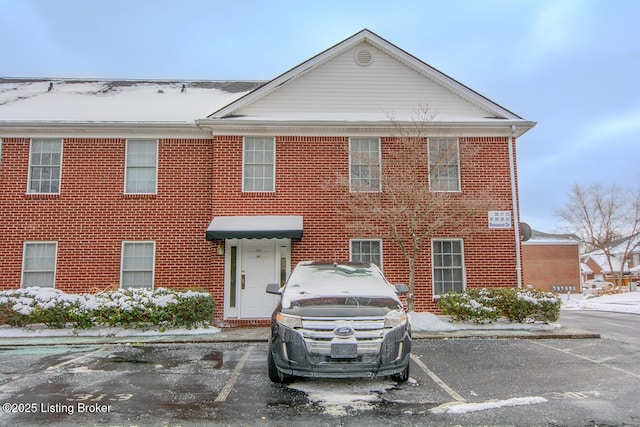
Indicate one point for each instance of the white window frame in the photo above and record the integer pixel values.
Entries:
(462, 267)
(122, 262)
(352, 162)
(351, 252)
(31, 166)
(127, 166)
(435, 182)
(244, 165)
(24, 261)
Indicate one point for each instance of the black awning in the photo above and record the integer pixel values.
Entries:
(255, 227)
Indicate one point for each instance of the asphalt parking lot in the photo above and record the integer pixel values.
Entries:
(453, 382)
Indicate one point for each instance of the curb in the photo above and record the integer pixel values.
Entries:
(261, 334)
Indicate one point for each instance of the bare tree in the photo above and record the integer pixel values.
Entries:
(605, 219)
(410, 192)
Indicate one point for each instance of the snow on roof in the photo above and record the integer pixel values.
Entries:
(540, 238)
(115, 101)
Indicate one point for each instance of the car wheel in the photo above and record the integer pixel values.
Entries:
(401, 377)
(274, 374)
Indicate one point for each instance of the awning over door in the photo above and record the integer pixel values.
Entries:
(255, 227)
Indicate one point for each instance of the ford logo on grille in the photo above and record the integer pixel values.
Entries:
(343, 331)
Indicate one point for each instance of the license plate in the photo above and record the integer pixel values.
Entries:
(344, 351)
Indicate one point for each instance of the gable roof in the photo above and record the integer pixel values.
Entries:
(326, 93)
(335, 87)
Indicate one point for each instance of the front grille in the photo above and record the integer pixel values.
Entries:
(318, 334)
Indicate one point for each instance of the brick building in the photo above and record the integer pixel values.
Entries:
(552, 262)
(223, 186)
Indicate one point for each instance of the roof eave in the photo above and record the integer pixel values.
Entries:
(89, 128)
(515, 128)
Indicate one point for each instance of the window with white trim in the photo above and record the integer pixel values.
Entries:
(137, 265)
(444, 164)
(448, 266)
(45, 166)
(39, 264)
(258, 164)
(364, 164)
(141, 168)
(366, 250)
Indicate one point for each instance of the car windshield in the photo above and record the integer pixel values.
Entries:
(338, 290)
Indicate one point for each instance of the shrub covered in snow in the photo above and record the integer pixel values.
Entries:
(123, 307)
(489, 304)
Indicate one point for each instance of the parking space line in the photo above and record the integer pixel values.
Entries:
(451, 392)
(75, 359)
(598, 362)
(222, 396)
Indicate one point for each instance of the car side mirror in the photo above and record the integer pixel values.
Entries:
(274, 288)
(402, 289)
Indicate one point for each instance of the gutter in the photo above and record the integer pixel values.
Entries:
(516, 211)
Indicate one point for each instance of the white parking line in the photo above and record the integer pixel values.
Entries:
(234, 376)
(75, 359)
(451, 392)
(599, 362)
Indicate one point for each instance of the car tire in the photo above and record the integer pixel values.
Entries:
(401, 377)
(274, 374)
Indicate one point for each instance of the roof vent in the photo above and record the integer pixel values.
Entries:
(363, 57)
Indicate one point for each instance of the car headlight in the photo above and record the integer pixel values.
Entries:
(289, 321)
(395, 318)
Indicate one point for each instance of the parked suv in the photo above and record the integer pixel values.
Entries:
(338, 320)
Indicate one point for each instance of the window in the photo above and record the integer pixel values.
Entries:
(45, 161)
(259, 159)
(448, 266)
(444, 168)
(364, 164)
(39, 264)
(141, 169)
(367, 250)
(137, 264)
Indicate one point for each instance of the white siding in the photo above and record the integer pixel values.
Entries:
(340, 86)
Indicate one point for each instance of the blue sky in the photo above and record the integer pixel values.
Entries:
(571, 66)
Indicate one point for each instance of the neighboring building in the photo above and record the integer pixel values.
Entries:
(223, 185)
(552, 262)
(625, 257)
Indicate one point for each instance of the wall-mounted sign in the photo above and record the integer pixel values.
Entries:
(499, 219)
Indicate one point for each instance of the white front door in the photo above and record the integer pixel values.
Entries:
(251, 265)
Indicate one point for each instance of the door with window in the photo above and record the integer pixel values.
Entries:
(251, 264)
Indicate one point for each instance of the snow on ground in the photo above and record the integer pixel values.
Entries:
(621, 303)
(463, 407)
(337, 396)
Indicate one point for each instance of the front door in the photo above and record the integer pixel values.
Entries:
(251, 265)
(258, 269)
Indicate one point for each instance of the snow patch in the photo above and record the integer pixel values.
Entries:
(464, 407)
(338, 397)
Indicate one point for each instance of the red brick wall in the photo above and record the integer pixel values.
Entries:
(306, 169)
(547, 265)
(202, 178)
(91, 216)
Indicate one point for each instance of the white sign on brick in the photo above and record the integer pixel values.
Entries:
(499, 219)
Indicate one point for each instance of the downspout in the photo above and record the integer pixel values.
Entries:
(514, 201)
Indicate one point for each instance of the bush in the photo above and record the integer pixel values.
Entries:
(127, 308)
(489, 304)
